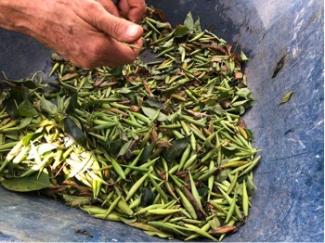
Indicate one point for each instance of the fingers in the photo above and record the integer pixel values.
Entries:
(109, 6)
(134, 10)
(118, 28)
(137, 10)
(124, 8)
(103, 51)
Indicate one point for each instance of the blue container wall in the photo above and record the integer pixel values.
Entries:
(284, 40)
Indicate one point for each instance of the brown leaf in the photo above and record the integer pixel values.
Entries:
(228, 48)
(147, 88)
(196, 113)
(242, 123)
(200, 212)
(243, 132)
(171, 190)
(223, 229)
(135, 108)
(163, 144)
(162, 175)
(117, 111)
(159, 14)
(207, 131)
(182, 174)
(217, 58)
(69, 76)
(154, 135)
(107, 84)
(214, 46)
(225, 104)
(98, 82)
(238, 75)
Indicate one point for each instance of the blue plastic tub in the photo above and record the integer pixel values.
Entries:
(284, 40)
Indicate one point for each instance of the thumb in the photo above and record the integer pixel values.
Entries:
(118, 28)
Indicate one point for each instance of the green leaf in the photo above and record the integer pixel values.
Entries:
(189, 22)
(176, 149)
(26, 139)
(147, 197)
(286, 97)
(243, 92)
(149, 112)
(124, 149)
(197, 25)
(27, 184)
(26, 109)
(152, 113)
(113, 147)
(124, 90)
(72, 129)
(73, 103)
(146, 154)
(24, 122)
(76, 201)
(154, 103)
(181, 30)
(48, 106)
(243, 57)
(168, 43)
(117, 72)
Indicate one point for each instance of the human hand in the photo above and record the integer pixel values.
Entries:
(133, 10)
(82, 31)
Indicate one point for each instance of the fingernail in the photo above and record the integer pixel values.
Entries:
(132, 30)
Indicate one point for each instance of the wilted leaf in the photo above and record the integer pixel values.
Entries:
(286, 97)
(27, 184)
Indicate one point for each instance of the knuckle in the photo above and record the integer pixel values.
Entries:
(116, 28)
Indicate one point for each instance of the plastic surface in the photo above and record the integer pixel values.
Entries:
(282, 35)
